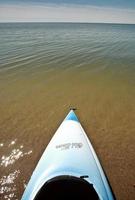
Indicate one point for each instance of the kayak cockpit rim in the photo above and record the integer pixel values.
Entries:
(65, 187)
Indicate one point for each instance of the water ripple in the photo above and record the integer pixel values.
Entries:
(65, 45)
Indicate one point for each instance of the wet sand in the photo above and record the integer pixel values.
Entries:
(32, 108)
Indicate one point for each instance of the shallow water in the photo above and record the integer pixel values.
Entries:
(45, 69)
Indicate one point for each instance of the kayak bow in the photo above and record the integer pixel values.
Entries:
(69, 167)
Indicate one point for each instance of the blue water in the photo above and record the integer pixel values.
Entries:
(48, 45)
(47, 68)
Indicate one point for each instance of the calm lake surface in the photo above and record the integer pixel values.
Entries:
(47, 68)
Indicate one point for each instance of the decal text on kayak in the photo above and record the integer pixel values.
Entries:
(66, 146)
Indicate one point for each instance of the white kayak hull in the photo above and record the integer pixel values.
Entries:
(69, 153)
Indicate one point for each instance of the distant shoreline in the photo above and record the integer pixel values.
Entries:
(28, 22)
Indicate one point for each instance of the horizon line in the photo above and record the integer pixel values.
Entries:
(66, 22)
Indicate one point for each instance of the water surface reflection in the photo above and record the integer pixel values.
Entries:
(8, 187)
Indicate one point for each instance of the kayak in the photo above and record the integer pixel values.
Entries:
(69, 167)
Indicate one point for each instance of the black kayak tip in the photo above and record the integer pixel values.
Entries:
(73, 108)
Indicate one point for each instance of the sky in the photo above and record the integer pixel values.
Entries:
(93, 11)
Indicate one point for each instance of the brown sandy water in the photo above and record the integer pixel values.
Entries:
(35, 100)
